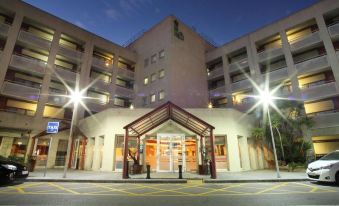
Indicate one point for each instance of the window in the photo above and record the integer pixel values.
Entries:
(161, 54)
(161, 73)
(145, 80)
(154, 59)
(161, 95)
(152, 98)
(146, 62)
(144, 101)
(153, 77)
(119, 102)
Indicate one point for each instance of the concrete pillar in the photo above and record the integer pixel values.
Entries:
(96, 154)
(330, 51)
(53, 148)
(292, 72)
(253, 62)
(6, 146)
(89, 153)
(47, 78)
(12, 35)
(228, 87)
(114, 77)
(232, 146)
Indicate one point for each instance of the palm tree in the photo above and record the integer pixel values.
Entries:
(276, 125)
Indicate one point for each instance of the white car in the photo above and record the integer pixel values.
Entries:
(326, 169)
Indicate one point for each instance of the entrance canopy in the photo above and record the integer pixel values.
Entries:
(160, 115)
(168, 111)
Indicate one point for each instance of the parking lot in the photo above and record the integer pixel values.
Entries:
(192, 188)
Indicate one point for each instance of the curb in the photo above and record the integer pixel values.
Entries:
(253, 181)
(165, 181)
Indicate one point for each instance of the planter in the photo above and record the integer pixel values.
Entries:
(136, 169)
(32, 163)
(204, 170)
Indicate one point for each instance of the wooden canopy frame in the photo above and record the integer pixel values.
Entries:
(160, 115)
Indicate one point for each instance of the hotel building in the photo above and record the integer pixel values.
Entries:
(42, 55)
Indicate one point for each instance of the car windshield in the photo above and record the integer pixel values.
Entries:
(331, 156)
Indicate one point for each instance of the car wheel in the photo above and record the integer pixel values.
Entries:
(337, 178)
(11, 177)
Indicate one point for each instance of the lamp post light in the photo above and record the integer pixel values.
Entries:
(75, 98)
(266, 98)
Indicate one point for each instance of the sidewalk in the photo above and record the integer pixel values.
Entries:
(55, 175)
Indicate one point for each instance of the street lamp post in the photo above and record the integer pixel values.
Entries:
(266, 99)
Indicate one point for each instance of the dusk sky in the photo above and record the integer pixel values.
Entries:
(220, 20)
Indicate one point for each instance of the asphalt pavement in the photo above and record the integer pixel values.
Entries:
(194, 192)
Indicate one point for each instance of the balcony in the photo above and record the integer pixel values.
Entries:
(27, 64)
(124, 92)
(125, 73)
(95, 106)
(278, 74)
(70, 53)
(101, 64)
(4, 29)
(32, 39)
(319, 91)
(101, 85)
(56, 99)
(313, 64)
(217, 92)
(269, 54)
(244, 106)
(20, 91)
(326, 119)
(243, 84)
(65, 74)
(217, 72)
(334, 30)
(235, 66)
(304, 41)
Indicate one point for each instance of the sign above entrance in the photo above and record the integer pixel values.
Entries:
(52, 127)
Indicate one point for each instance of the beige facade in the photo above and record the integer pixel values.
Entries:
(40, 53)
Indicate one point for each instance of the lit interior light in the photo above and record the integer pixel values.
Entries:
(210, 105)
(131, 106)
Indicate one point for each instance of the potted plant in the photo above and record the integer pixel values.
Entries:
(136, 167)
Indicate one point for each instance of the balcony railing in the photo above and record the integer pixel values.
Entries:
(101, 64)
(269, 54)
(326, 119)
(57, 99)
(334, 30)
(101, 85)
(277, 74)
(124, 92)
(217, 72)
(95, 106)
(243, 84)
(20, 91)
(71, 53)
(306, 40)
(313, 64)
(4, 29)
(241, 64)
(319, 91)
(125, 73)
(33, 39)
(244, 106)
(28, 64)
(66, 74)
(217, 92)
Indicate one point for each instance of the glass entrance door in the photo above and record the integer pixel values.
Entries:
(170, 153)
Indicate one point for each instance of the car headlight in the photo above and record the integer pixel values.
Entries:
(10, 167)
(327, 166)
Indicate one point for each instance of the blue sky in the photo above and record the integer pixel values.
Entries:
(220, 20)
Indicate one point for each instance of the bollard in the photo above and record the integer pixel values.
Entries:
(211, 168)
(180, 171)
(127, 167)
(148, 168)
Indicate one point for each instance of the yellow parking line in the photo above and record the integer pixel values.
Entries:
(112, 189)
(272, 188)
(222, 189)
(173, 190)
(162, 190)
(63, 188)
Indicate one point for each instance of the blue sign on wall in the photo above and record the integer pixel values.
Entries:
(52, 127)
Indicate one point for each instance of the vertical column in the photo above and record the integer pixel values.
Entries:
(47, 78)
(253, 62)
(330, 51)
(214, 170)
(124, 162)
(228, 86)
(9, 46)
(292, 72)
(114, 77)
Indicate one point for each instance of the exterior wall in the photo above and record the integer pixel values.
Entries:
(111, 122)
